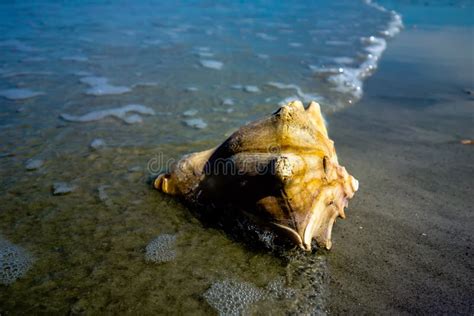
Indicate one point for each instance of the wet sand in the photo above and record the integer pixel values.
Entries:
(406, 245)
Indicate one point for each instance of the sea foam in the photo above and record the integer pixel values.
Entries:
(196, 123)
(122, 113)
(350, 80)
(212, 64)
(100, 86)
(14, 262)
(19, 94)
(305, 97)
(230, 297)
(161, 249)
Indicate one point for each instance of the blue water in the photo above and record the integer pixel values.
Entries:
(165, 42)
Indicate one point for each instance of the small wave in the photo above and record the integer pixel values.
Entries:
(349, 80)
(395, 25)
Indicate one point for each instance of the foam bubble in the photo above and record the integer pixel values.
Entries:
(190, 112)
(212, 64)
(230, 297)
(33, 164)
(246, 88)
(191, 89)
(103, 196)
(161, 249)
(251, 89)
(61, 188)
(228, 101)
(133, 119)
(375, 45)
(14, 262)
(295, 44)
(263, 56)
(19, 94)
(97, 143)
(276, 289)
(99, 86)
(394, 26)
(349, 80)
(196, 123)
(305, 97)
(343, 60)
(120, 113)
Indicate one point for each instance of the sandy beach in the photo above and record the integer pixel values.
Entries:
(406, 246)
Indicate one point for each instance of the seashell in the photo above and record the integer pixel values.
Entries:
(282, 170)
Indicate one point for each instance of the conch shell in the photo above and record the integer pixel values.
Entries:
(282, 169)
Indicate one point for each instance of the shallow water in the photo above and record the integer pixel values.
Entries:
(193, 73)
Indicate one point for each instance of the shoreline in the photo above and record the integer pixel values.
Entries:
(406, 245)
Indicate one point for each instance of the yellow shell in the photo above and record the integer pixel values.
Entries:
(282, 169)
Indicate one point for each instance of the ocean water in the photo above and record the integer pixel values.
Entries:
(96, 97)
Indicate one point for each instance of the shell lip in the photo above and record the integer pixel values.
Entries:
(293, 235)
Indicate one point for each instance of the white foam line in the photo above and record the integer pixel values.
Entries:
(394, 26)
(305, 97)
(350, 80)
(120, 113)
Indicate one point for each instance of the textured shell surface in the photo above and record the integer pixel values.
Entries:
(282, 169)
